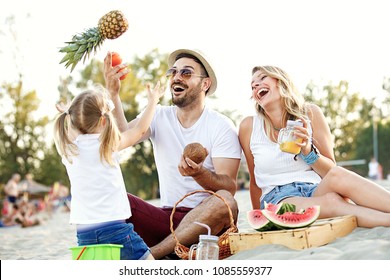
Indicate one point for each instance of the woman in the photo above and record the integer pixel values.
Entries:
(310, 177)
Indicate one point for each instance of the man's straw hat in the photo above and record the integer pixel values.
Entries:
(210, 72)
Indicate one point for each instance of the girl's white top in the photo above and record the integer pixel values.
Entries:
(274, 167)
(97, 188)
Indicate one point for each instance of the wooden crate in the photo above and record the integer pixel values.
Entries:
(319, 233)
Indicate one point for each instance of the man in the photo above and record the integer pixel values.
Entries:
(191, 79)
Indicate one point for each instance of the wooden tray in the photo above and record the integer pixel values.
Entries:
(319, 233)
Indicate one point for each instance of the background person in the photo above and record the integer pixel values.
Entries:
(373, 169)
(11, 189)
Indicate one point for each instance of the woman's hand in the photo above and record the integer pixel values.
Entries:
(303, 133)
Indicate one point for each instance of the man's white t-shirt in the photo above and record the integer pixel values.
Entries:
(213, 130)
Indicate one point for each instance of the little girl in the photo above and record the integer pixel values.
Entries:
(88, 139)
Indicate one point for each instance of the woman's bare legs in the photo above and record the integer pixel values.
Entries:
(359, 189)
(372, 201)
(333, 205)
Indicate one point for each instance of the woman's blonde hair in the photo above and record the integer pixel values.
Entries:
(84, 115)
(292, 99)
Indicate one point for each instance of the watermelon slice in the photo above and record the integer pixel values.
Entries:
(259, 222)
(290, 220)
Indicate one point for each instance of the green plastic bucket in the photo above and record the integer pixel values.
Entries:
(97, 252)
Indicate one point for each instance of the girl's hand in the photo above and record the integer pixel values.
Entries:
(155, 94)
(62, 107)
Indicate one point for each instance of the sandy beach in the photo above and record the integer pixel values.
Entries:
(52, 239)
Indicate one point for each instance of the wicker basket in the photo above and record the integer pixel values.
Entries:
(223, 242)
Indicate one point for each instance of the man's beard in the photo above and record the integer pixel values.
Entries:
(188, 98)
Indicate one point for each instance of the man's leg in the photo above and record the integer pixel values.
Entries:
(212, 211)
(150, 222)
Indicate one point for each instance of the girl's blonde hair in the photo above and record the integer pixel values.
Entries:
(292, 99)
(86, 113)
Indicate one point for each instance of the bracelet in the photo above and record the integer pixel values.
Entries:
(311, 157)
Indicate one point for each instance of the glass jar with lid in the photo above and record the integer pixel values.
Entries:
(287, 140)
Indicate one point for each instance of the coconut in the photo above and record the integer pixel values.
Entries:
(196, 152)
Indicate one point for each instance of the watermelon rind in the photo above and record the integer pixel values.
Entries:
(289, 220)
(286, 207)
(279, 208)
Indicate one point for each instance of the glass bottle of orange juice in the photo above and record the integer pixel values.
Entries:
(286, 139)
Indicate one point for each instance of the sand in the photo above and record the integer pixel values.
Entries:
(52, 239)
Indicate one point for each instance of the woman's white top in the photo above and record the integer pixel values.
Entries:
(272, 167)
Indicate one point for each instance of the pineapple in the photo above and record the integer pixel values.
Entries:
(110, 26)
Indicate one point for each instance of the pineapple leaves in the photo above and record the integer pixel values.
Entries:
(80, 47)
(111, 26)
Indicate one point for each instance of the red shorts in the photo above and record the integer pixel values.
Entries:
(153, 223)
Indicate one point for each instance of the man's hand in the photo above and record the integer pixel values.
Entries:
(187, 167)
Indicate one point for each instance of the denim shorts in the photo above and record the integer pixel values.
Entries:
(279, 193)
(11, 199)
(134, 248)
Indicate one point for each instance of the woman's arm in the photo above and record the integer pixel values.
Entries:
(322, 140)
(244, 135)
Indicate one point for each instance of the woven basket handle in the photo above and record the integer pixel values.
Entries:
(182, 248)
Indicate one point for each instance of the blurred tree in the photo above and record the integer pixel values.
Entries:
(341, 109)
(22, 135)
(365, 147)
(350, 118)
(51, 168)
(386, 87)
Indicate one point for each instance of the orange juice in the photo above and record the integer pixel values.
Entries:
(287, 140)
(291, 147)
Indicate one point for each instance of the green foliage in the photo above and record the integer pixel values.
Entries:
(364, 142)
(386, 87)
(51, 168)
(342, 110)
(350, 118)
(22, 134)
